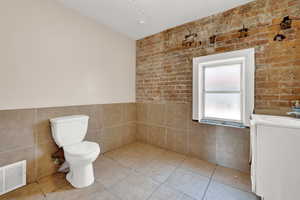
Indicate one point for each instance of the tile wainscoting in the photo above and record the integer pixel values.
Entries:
(170, 126)
(26, 135)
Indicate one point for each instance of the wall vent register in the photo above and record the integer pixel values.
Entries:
(223, 88)
(12, 176)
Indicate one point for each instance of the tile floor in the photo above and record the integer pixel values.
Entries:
(139, 172)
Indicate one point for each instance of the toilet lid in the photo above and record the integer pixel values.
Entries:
(83, 148)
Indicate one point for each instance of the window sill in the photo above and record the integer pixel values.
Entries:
(222, 123)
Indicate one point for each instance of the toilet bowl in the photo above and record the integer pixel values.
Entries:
(68, 133)
(80, 158)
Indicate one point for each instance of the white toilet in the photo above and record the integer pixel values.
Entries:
(69, 133)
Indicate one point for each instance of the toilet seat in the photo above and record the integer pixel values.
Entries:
(82, 149)
(80, 157)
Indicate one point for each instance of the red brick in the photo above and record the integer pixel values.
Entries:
(164, 66)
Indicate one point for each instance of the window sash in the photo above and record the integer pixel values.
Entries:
(204, 91)
(223, 119)
(247, 57)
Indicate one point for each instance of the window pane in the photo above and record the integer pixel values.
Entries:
(224, 106)
(222, 78)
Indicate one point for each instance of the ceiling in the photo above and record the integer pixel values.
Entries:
(141, 18)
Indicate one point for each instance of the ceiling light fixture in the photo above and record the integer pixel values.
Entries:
(142, 22)
(140, 12)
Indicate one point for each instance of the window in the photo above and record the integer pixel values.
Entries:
(223, 88)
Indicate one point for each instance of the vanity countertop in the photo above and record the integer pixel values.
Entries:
(281, 121)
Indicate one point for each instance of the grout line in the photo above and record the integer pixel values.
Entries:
(39, 188)
(177, 166)
(110, 192)
(159, 186)
(209, 183)
(231, 185)
(162, 183)
(116, 125)
(162, 126)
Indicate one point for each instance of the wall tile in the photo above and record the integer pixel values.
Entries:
(16, 129)
(177, 116)
(234, 161)
(191, 123)
(142, 112)
(27, 154)
(157, 136)
(177, 140)
(44, 163)
(111, 138)
(128, 133)
(16, 118)
(112, 114)
(222, 145)
(92, 135)
(156, 114)
(99, 115)
(142, 133)
(15, 138)
(26, 134)
(202, 142)
(130, 112)
(233, 146)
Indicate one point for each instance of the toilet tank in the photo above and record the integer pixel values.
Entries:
(69, 129)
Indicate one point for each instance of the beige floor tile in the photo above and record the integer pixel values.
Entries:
(70, 193)
(134, 187)
(137, 145)
(166, 193)
(157, 170)
(218, 191)
(149, 151)
(188, 182)
(183, 178)
(29, 192)
(131, 159)
(171, 158)
(102, 195)
(146, 150)
(52, 183)
(201, 167)
(116, 153)
(233, 177)
(108, 171)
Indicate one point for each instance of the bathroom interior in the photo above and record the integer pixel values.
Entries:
(149, 100)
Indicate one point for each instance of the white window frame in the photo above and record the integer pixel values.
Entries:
(244, 57)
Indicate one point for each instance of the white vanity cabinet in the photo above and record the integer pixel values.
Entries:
(275, 149)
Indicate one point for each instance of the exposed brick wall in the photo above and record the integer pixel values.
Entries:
(164, 65)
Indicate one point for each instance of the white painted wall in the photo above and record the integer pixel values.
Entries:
(52, 56)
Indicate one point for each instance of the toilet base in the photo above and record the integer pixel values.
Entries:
(81, 176)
